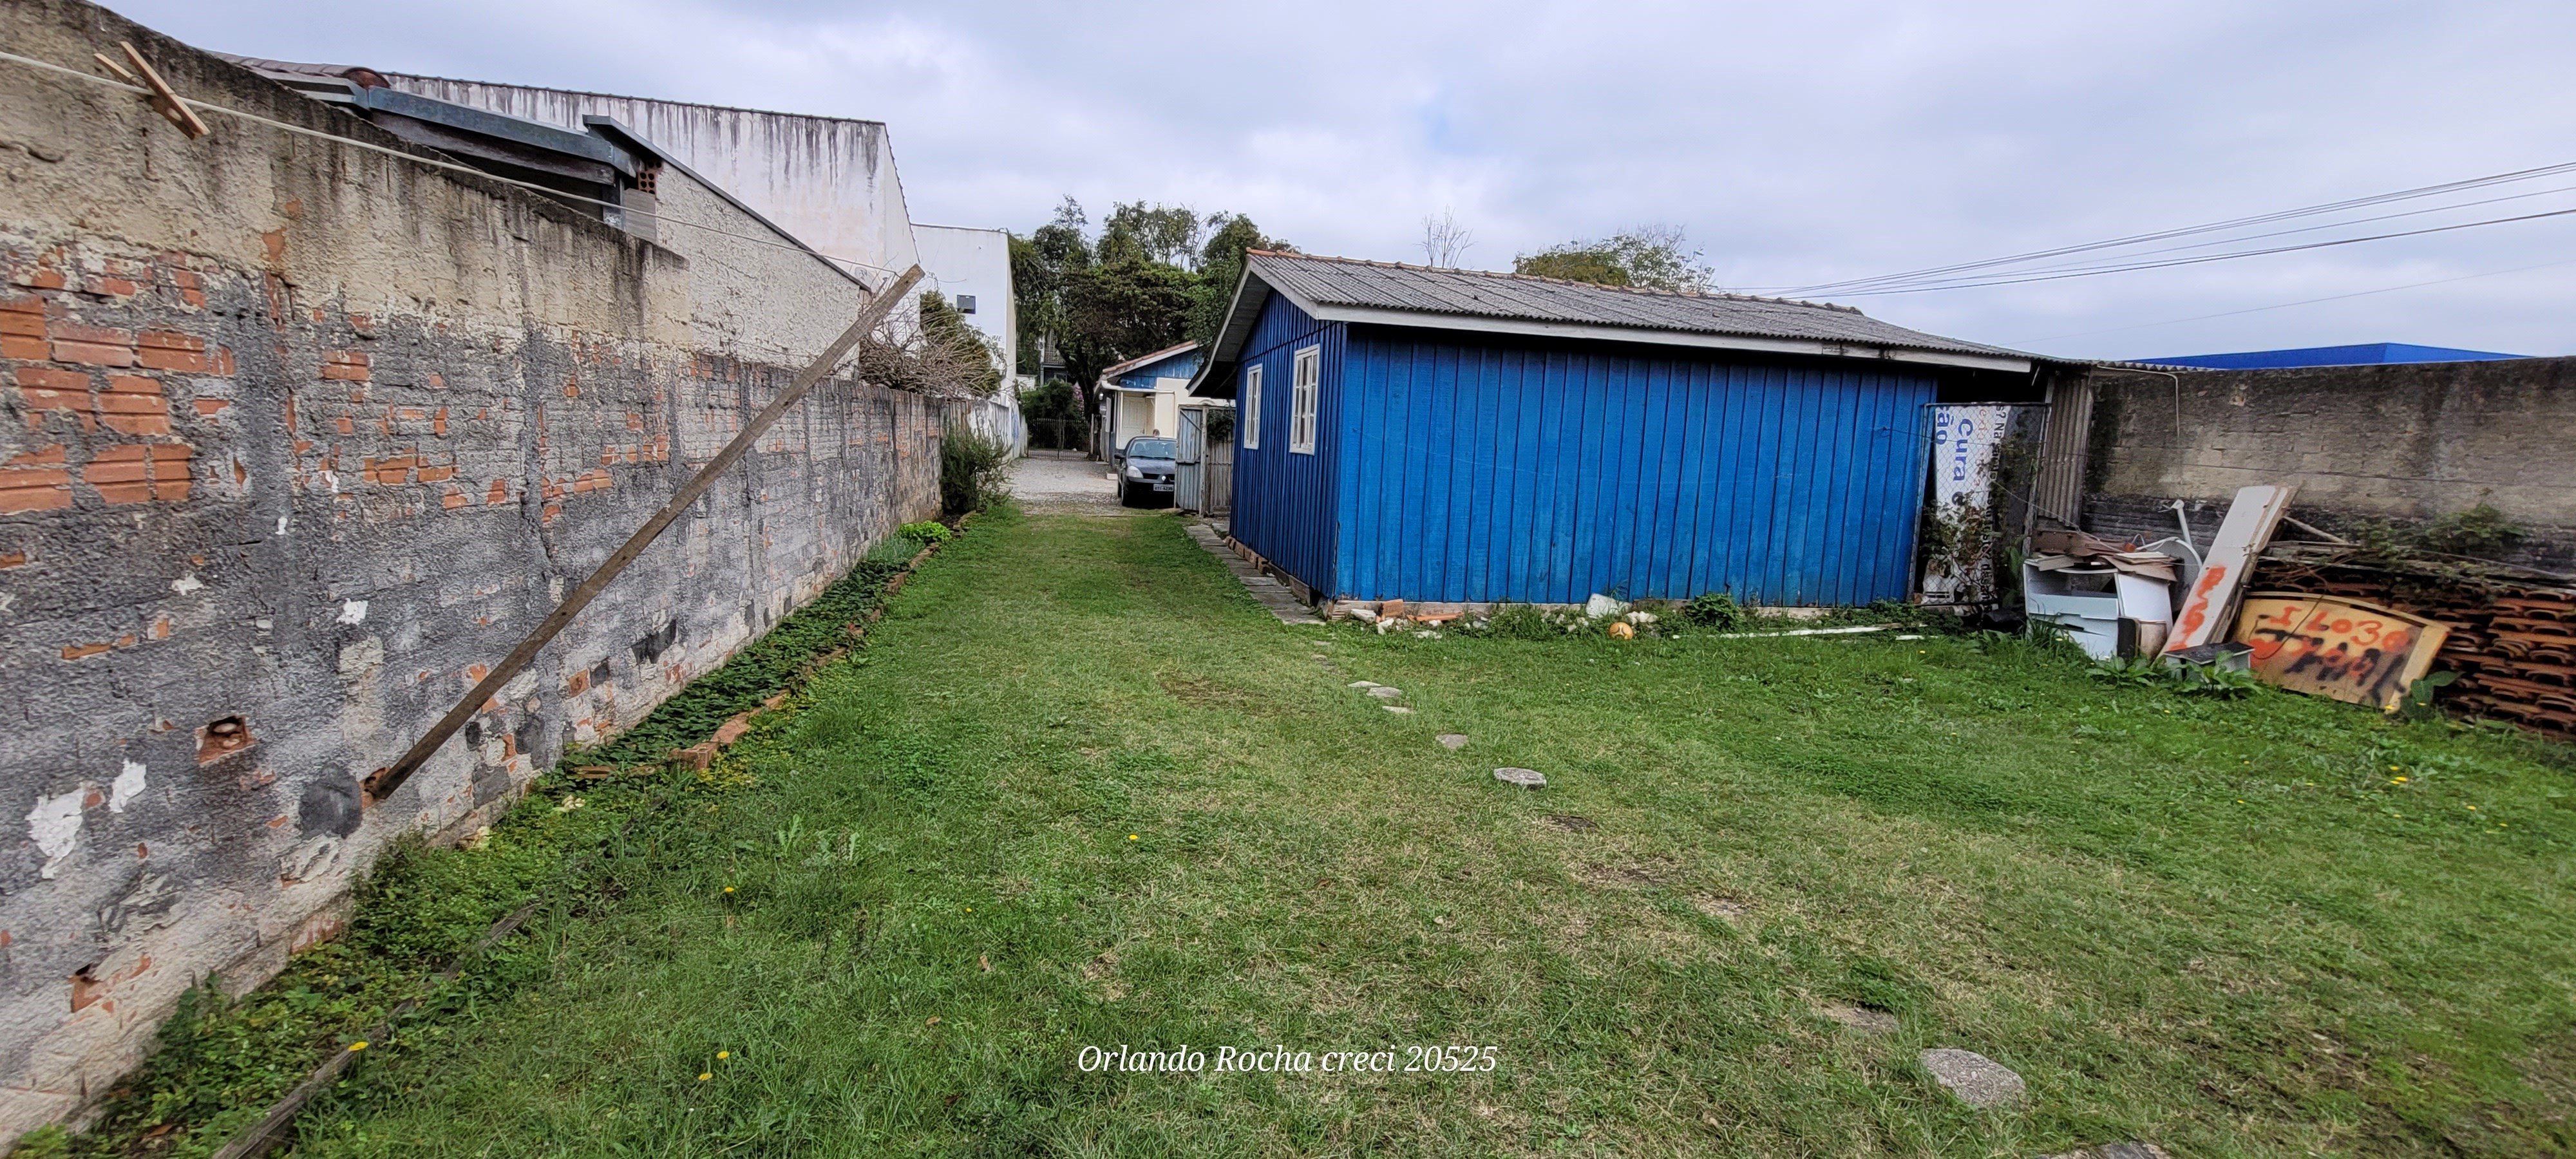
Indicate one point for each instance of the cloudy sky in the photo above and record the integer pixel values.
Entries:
(1798, 144)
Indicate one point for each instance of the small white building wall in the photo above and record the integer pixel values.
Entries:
(975, 262)
(830, 181)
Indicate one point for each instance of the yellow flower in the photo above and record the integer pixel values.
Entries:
(705, 1075)
(722, 1055)
(2473, 807)
(361, 1044)
(1131, 837)
(2393, 768)
(728, 889)
(2397, 780)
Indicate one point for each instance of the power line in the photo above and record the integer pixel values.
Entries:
(2336, 224)
(1851, 284)
(2287, 305)
(2010, 280)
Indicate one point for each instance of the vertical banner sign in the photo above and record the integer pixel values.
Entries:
(1964, 443)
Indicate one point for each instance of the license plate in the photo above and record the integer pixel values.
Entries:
(1162, 486)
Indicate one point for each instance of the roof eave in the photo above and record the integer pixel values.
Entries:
(1707, 341)
(1230, 334)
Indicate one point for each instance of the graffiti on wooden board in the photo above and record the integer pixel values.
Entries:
(2351, 651)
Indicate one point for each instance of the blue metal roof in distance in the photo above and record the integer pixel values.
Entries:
(2362, 354)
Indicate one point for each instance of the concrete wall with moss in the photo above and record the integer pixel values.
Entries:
(296, 437)
(2408, 446)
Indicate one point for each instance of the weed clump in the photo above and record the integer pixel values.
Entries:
(1713, 610)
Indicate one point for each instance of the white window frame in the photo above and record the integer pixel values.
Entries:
(1252, 407)
(1305, 382)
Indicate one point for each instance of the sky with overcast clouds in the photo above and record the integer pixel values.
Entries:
(1797, 143)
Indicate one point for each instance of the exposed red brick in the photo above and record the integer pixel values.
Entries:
(36, 481)
(94, 345)
(346, 425)
(135, 472)
(112, 286)
(46, 388)
(134, 404)
(22, 329)
(455, 498)
(438, 422)
(365, 326)
(43, 277)
(169, 350)
(345, 365)
(437, 474)
(222, 362)
(160, 629)
(210, 407)
(580, 683)
(499, 492)
(13, 559)
(77, 651)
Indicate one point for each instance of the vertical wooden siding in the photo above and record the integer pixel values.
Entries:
(1284, 503)
(1486, 471)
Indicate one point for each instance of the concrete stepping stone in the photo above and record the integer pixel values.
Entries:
(1363, 684)
(1383, 692)
(1859, 1017)
(1398, 709)
(1453, 740)
(1977, 1080)
(1525, 778)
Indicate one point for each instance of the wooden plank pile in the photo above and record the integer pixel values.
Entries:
(2513, 633)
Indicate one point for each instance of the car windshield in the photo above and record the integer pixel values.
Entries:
(1150, 449)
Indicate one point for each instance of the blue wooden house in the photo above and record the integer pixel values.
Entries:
(1451, 435)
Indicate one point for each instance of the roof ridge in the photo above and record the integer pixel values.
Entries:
(1644, 291)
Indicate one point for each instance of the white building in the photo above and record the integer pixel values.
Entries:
(972, 269)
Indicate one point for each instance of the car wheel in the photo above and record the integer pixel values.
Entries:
(1126, 494)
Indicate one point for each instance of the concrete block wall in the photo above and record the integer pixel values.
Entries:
(2405, 444)
(296, 437)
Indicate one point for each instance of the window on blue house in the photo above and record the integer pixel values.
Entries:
(965, 303)
(1306, 376)
(1252, 407)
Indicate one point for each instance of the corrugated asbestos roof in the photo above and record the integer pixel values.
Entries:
(1520, 298)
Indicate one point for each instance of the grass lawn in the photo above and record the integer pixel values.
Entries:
(1082, 790)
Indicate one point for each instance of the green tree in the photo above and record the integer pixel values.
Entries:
(1157, 275)
(1040, 264)
(1648, 257)
(1221, 267)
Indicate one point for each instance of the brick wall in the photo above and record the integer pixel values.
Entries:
(295, 438)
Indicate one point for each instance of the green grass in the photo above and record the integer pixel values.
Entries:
(1082, 790)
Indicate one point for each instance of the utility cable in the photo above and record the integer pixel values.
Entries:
(2164, 235)
(2011, 280)
(2287, 305)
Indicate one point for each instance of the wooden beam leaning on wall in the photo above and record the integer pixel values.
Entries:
(382, 783)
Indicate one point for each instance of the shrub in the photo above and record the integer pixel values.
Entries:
(1713, 610)
(927, 531)
(970, 469)
(1521, 622)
